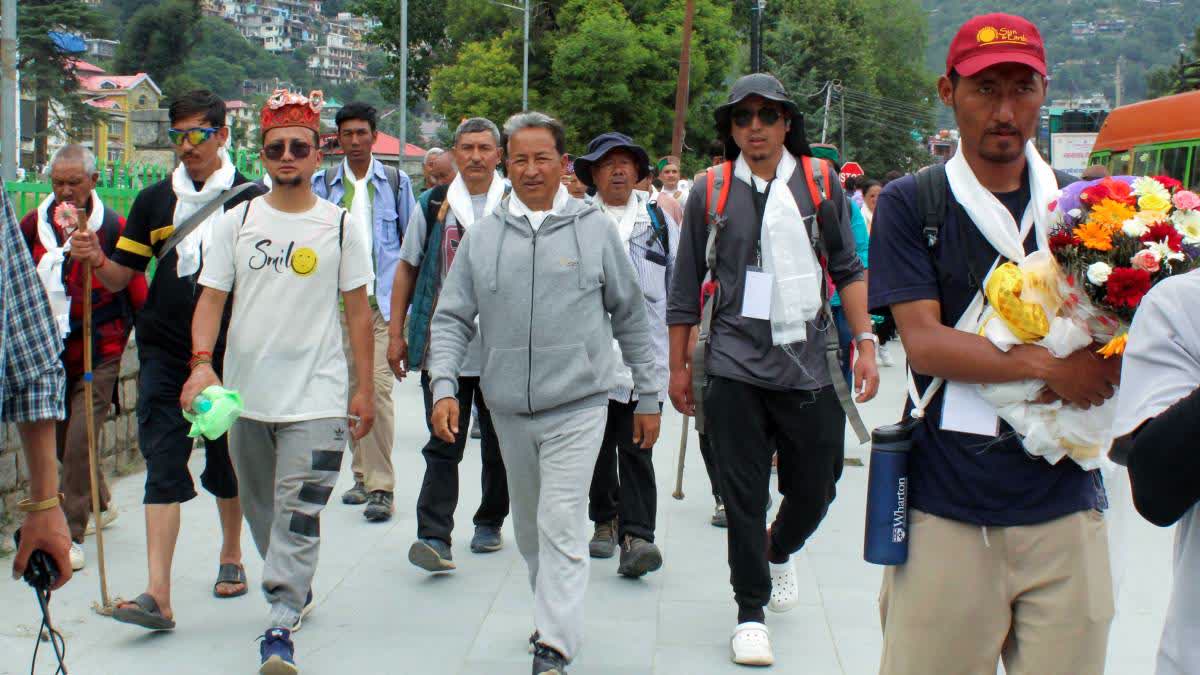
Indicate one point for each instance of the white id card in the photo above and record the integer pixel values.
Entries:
(756, 300)
(966, 411)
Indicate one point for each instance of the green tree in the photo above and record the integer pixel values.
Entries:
(482, 82)
(427, 42)
(49, 74)
(159, 38)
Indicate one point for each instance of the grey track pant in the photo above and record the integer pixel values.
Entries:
(286, 472)
(550, 458)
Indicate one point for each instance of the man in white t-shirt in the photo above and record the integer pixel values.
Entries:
(288, 258)
(1158, 418)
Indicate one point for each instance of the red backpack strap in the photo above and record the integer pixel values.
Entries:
(818, 193)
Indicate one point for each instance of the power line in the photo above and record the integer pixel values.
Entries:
(889, 107)
(883, 100)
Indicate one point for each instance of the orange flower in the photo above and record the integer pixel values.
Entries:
(1094, 236)
(1115, 346)
(1111, 214)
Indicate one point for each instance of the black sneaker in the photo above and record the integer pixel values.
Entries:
(604, 540)
(431, 555)
(718, 518)
(355, 495)
(547, 661)
(308, 608)
(476, 432)
(379, 507)
(638, 557)
(486, 540)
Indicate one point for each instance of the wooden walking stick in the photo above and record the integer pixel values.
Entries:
(683, 439)
(90, 414)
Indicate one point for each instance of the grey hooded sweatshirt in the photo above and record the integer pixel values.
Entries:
(549, 304)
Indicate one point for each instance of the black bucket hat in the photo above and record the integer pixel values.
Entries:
(768, 87)
(604, 144)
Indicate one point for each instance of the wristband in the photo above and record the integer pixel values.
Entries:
(861, 337)
(30, 506)
(199, 358)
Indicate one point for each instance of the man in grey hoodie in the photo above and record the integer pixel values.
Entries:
(552, 285)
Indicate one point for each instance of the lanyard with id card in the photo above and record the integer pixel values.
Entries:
(756, 296)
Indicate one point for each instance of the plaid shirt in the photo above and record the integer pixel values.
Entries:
(32, 381)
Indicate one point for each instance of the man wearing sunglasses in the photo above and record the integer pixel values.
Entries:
(284, 262)
(769, 382)
(623, 497)
(380, 198)
(164, 340)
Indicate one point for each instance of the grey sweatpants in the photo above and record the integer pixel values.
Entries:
(550, 458)
(286, 472)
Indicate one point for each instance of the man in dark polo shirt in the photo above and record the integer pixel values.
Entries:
(165, 348)
(1008, 555)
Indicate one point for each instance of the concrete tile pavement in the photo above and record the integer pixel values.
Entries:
(376, 614)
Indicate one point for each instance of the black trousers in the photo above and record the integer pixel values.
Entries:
(623, 481)
(807, 429)
(710, 465)
(439, 489)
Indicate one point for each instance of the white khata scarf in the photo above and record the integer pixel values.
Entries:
(189, 201)
(49, 268)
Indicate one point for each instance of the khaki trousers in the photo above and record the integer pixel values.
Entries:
(73, 445)
(372, 463)
(1038, 596)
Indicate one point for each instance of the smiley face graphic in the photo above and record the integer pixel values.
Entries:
(304, 261)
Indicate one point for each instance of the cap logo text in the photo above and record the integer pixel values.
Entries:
(989, 35)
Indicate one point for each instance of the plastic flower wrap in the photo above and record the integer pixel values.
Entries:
(1110, 241)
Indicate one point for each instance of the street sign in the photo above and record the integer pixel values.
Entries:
(852, 169)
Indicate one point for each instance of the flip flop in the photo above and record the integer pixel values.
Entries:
(144, 613)
(231, 573)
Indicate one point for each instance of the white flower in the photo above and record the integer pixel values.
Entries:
(1162, 250)
(1134, 227)
(1187, 223)
(1148, 186)
(1098, 272)
(1075, 213)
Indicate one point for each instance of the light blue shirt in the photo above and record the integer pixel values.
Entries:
(858, 226)
(390, 213)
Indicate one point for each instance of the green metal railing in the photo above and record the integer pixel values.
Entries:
(26, 196)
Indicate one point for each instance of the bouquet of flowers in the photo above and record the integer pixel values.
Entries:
(1110, 241)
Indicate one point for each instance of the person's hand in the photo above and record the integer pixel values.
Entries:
(680, 391)
(85, 247)
(445, 419)
(866, 372)
(645, 430)
(45, 531)
(397, 355)
(362, 412)
(203, 376)
(1083, 379)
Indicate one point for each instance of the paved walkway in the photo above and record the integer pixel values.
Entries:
(376, 614)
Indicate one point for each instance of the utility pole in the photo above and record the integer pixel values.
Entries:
(828, 101)
(681, 83)
(525, 70)
(403, 81)
(10, 144)
(842, 126)
(756, 7)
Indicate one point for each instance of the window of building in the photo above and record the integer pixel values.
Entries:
(1175, 163)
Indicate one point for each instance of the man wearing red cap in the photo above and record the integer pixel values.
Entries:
(287, 258)
(1007, 555)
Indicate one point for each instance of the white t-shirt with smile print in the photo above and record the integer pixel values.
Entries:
(286, 271)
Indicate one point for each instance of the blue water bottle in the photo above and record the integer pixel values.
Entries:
(886, 537)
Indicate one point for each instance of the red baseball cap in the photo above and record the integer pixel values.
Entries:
(987, 40)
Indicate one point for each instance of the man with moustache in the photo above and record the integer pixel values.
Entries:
(445, 215)
(1008, 555)
(285, 257)
(205, 178)
(551, 284)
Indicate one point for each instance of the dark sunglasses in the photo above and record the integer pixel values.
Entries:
(743, 117)
(299, 150)
(194, 136)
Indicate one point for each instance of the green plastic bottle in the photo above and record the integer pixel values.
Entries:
(217, 408)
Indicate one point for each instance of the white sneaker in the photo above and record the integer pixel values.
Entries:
(106, 518)
(77, 557)
(885, 357)
(785, 591)
(751, 645)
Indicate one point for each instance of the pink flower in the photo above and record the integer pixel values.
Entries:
(1146, 260)
(66, 216)
(1186, 200)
